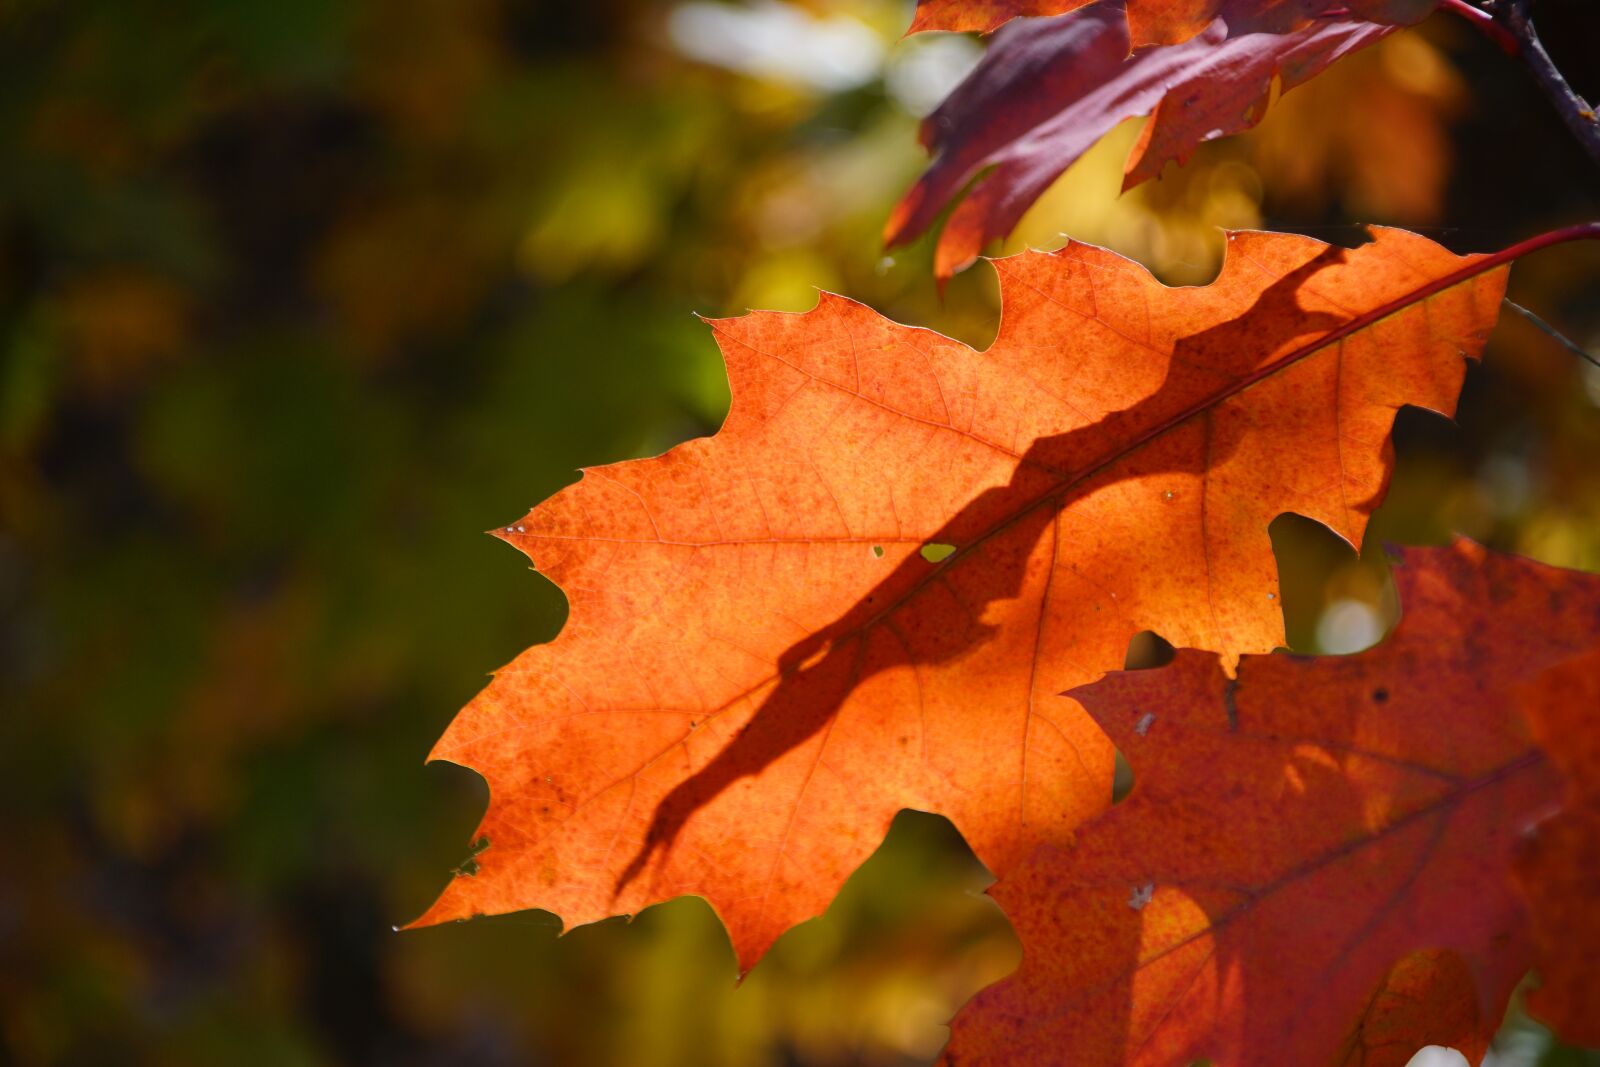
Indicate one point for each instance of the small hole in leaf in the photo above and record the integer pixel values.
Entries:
(469, 866)
(1380, 695)
(877, 551)
(1147, 649)
(1122, 780)
(937, 553)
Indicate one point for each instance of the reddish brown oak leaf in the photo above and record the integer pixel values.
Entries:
(1168, 21)
(1558, 866)
(1312, 866)
(1048, 89)
(761, 665)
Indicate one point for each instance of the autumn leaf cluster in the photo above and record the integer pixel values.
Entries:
(904, 574)
(895, 576)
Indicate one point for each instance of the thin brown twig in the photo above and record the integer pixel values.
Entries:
(1562, 339)
(1573, 109)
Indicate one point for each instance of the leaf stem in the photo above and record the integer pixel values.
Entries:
(1512, 16)
(1584, 231)
(1587, 231)
(1485, 23)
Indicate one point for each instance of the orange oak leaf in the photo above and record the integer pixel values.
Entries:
(762, 665)
(1558, 866)
(1312, 866)
(1048, 89)
(1168, 21)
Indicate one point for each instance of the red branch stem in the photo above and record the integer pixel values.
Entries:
(1587, 231)
(1485, 23)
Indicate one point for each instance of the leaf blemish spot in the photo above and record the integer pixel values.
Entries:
(1380, 695)
(1146, 720)
(1141, 896)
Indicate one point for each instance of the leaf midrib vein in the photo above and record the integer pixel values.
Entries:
(1466, 272)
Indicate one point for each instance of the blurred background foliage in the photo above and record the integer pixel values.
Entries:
(298, 296)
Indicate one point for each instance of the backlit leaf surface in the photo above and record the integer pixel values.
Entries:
(1558, 866)
(1048, 89)
(1314, 856)
(1168, 21)
(762, 666)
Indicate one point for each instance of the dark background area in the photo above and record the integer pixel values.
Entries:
(298, 297)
